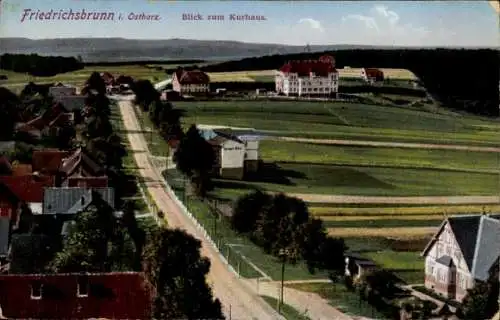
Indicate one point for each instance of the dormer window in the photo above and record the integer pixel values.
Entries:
(82, 287)
(36, 290)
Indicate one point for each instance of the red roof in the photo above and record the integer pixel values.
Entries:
(321, 67)
(48, 160)
(117, 295)
(27, 188)
(374, 73)
(88, 182)
(107, 77)
(191, 77)
(21, 169)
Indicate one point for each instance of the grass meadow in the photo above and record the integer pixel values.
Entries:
(337, 120)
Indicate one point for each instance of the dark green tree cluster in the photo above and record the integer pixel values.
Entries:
(162, 114)
(282, 226)
(97, 242)
(195, 157)
(36, 65)
(174, 266)
(9, 113)
(481, 302)
(145, 94)
(101, 142)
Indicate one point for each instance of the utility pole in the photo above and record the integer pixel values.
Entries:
(283, 253)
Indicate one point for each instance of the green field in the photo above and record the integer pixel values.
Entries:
(336, 120)
(16, 81)
(453, 160)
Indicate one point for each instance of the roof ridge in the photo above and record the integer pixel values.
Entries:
(476, 249)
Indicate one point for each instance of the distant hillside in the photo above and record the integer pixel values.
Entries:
(118, 49)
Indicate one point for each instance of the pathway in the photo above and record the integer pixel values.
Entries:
(239, 301)
(310, 304)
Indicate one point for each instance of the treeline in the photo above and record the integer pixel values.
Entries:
(142, 62)
(464, 79)
(39, 66)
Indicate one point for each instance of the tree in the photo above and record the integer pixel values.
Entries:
(248, 209)
(481, 302)
(108, 151)
(137, 235)
(96, 82)
(98, 127)
(174, 266)
(145, 94)
(87, 245)
(8, 113)
(99, 105)
(195, 157)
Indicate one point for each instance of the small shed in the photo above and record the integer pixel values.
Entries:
(356, 265)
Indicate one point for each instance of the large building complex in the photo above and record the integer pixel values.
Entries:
(308, 78)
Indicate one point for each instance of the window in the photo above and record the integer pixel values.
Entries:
(36, 290)
(82, 287)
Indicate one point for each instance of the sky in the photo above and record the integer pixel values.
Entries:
(398, 23)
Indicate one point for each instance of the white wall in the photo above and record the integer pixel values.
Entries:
(232, 154)
(252, 150)
(292, 84)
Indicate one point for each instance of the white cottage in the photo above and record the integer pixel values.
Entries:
(237, 150)
(464, 250)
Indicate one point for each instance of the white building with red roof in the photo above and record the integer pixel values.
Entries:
(190, 82)
(308, 78)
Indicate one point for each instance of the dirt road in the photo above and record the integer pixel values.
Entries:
(389, 144)
(307, 303)
(238, 299)
(326, 198)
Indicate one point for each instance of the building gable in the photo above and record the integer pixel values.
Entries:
(445, 245)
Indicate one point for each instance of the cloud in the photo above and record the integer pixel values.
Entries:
(391, 16)
(384, 26)
(313, 24)
(369, 22)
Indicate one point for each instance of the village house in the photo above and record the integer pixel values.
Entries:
(372, 75)
(71, 201)
(48, 123)
(115, 295)
(48, 161)
(308, 78)
(464, 250)
(62, 90)
(28, 189)
(236, 150)
(71, 103)
(190, 82)
(79, 165)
